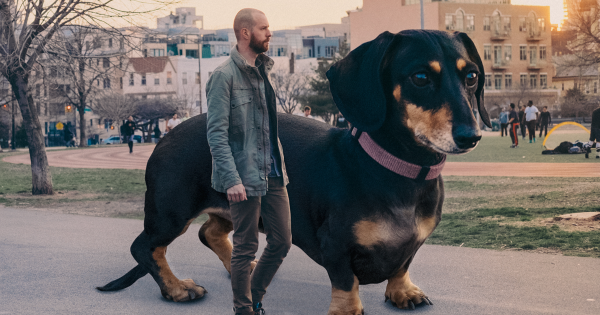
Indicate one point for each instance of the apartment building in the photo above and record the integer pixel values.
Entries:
(513, 41)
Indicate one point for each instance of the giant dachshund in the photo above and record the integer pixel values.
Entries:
(363, 200)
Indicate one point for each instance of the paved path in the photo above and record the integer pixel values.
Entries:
(119, 157)
(50, 264)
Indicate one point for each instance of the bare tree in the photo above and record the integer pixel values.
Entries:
(26, 29)
(115, 107)
(149, 111)
(584, 19)
(289, 87)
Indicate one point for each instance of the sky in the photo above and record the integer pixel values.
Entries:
(287, 14)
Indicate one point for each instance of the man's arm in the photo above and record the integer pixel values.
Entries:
(218, 94)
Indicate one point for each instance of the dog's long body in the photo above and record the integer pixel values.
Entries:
(358, 219)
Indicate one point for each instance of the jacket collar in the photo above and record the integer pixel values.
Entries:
(394, 164)
(241, 62)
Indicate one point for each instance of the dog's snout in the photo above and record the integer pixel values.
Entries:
(466, 138)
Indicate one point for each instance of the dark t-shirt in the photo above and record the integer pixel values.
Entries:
(513, 114)
(271, 107)
(545, 118)
(596, 118)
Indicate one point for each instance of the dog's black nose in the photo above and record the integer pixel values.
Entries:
(466, 138)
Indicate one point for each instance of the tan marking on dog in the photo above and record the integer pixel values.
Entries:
(216, 231)
(400, 290)
(435, 66)
(435, 126)
(369, 233)
(460, 64)
(171, 287)
(345, 302)
(397, 92)
(425, 227)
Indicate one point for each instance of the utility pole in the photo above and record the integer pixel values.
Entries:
(422, 17)
(13, 146)
(200, 72)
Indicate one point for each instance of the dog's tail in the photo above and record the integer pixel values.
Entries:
(125, 281)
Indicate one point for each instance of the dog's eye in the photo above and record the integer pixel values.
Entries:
(420, 79)
(471, 79)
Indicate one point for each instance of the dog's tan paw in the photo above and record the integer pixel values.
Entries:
(185, 290)
(252, 265)
(346, 302)
(403, 293)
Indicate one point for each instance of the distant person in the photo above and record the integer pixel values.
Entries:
(545, 120)
(128, 131)
(306, 112)
(595, 133)
(531, 116)
(513, 121)
(522, 121)
(156, 133)
(341, 122)
(172, 123)
(186, 117)
(503, 122)
(68, 136)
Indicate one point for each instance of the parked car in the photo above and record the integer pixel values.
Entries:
(137, 138)
(112, 140)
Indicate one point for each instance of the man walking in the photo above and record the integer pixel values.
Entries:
(595, 133)
(522, 121)
(248, 162)
(513, 121)
(531, 114)
(503, 122)
(545, 120)
(128, 131)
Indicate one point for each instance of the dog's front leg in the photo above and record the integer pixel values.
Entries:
(403, 293)
(344, 284)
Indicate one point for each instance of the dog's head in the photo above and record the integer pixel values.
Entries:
(426, 83)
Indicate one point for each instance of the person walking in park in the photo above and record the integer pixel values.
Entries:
(249, 166)
(157, 133)
(545, 120)
(172, 123)
(128, 131)
(522, 121)
(503, 122)
(513, 121)
(595, 133)
(531, 116)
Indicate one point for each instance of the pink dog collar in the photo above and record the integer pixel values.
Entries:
(394, 164)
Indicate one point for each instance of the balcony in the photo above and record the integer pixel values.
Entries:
(500, 34)
(536, 65)
(534, 35)
(500, 64)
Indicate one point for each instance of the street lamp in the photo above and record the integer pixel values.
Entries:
(199, 72)
(13, 145)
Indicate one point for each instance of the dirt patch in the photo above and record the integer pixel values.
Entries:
(572, 222)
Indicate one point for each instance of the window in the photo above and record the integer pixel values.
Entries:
(522, 24)
(542, 24)
(497, 54)
(156, 81)
(105, 62)
(487, 52)
(121, 83)
(470, 23)
(563, 86)
(523, 80)
(157, 52)
(110, 43)
(544, 82)
(595, 85)
(37, 90)
(131, 80)
(107, 83)
(522, 52)
(143, 79)
(542, 52)
(508, 81)
(533, 55)
(197, 77)
(184, 80)
(67, 89)
(460, 21)
(488, 81)
(169, 77)
(507, 53)
(497, 81)
(506, 23)
(486, 23)
(449, 22)
(533, 81)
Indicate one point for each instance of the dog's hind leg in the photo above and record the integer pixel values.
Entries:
(149, 250)
(214, 234)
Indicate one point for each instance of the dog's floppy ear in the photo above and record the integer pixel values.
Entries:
(474, 56)
(356, 87)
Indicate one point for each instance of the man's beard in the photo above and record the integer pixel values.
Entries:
(257, 46)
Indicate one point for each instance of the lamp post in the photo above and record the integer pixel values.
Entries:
(200, 73)
(422, 17)
(13, 145)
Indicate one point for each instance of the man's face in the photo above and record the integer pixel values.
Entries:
(544, 110)
(130, 118)
(306, 112)
(175, 116)
(260, 34)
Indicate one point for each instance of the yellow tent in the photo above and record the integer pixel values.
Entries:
(563, 124)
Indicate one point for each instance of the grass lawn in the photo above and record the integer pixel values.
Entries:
(497, 149)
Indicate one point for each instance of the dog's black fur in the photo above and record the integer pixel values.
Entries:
(360, 221)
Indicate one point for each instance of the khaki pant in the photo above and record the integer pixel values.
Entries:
(274, 208)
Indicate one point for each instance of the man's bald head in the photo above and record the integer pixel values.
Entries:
(245, 19)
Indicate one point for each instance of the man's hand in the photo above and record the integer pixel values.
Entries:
(236, 193)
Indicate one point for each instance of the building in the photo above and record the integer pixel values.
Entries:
(513, 41)
(341, 31)
(571, 74)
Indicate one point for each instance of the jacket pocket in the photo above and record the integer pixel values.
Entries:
(240, 112)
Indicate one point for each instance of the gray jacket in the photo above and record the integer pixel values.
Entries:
(238, 126)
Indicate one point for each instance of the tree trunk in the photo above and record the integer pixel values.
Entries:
(41, 179)
(82, 127)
